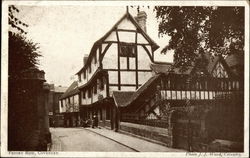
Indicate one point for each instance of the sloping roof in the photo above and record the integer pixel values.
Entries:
(212, 61)
(168, 67)
(131, 18)
(161, 67)
(122, 98)
(73, 89)
(140, 90)
(187, 71)
(235, 59)
(60, 89)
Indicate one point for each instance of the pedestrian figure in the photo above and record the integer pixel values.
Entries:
(94, 121)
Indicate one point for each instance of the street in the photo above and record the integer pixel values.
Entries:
(79, 139)
(103, 140)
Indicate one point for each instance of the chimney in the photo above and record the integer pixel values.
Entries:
(85, 58)
(141, 20)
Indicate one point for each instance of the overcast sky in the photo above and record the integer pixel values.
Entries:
(66, 33)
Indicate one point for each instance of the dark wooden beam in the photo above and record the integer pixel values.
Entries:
(130, 70)
(126, 30)
(136, 61)
(107, 86)
(105, 50)
(146, 49)
(153, 54)
(105, 42)
(128, 85)
(118, 55)
(100, 54)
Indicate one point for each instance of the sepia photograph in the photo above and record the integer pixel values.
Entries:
(125, 79)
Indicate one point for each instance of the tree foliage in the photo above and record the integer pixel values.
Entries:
(197, 30)
(14, 22)
(23, 53)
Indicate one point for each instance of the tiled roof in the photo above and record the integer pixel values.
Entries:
(212, 60)
(187, 71)
(167, 67)
(60, 89)
(160, 67)
(73, 89)
(140, 90)
(122, 98)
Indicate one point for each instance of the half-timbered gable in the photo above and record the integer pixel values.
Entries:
(69, 104)
(70, 99)
(128, 52)
(120, 60)
(176, 86)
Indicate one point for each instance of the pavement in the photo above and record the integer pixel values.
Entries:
(101, 139)
(134, 143)
(80, 139)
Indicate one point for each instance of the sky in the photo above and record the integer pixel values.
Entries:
(66, 33)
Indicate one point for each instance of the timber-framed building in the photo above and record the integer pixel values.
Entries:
(128, 90)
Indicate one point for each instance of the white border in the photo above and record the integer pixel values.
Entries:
(4, 78)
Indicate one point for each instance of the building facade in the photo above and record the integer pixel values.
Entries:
(119, 61)
(69, 106)
(123, 85)
(55, 118)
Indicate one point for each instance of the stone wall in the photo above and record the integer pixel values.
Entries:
(155, 133)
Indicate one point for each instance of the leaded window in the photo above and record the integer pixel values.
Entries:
(220, 71)
(127, 50)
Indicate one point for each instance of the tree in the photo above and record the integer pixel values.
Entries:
(14, 22)
(23, 53)
(217, 30)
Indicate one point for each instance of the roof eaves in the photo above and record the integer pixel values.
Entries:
(101, 39)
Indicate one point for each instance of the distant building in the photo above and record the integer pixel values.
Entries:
(69, 105)
(55, 118)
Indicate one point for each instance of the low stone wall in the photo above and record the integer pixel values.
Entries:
(159, 134)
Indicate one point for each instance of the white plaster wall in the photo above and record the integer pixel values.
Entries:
(113, 77)
(141, 39)
(126, 24)
(126, 36)
(143, 59)
(144, 77)
(76, 102)
(110, 59)
(63, 108)
(128, 77)
(111, 37)
(123, 62)
(128, 88)
(132, 63)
